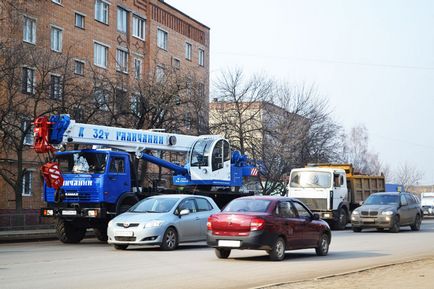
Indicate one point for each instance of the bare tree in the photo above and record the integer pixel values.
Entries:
(407, 175)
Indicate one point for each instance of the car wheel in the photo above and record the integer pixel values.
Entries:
(222, 253)
(170, 240)
(101, 233)
(357, 229)
(380, 229)
(277, 253)
(121, 247)
(323, 246)
(395, 225)
(416, 225)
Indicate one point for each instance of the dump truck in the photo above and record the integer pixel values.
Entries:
(333, 190)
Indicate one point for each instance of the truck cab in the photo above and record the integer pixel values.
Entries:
(323, 190)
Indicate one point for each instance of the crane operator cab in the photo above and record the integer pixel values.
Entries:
(210, 159)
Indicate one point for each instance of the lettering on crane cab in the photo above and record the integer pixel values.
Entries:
(139, 137)
(77, 182)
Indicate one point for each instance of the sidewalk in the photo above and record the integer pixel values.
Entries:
(27, 235)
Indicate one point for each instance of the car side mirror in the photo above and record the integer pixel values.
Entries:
(315, 217)
(184, 212)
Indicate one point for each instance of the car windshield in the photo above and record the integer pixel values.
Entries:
(154, 205)
(310, 179)
(247, 205)
(82, 162)
(382, 200)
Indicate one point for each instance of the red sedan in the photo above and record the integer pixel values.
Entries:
(273, 224)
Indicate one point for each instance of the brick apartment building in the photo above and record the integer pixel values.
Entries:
(130, 41)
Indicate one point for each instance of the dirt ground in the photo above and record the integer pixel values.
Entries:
(414, 274)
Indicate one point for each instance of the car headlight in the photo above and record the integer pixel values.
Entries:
(387, 213)
(155, 223)
(356, 212)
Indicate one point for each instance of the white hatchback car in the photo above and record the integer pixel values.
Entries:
(164, 220)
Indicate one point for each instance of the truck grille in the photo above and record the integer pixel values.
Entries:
(315, 204)
(369, 213)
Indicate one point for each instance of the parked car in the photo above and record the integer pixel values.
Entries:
(388, 210)
(428, 210)
(164, 220)
(273, 224)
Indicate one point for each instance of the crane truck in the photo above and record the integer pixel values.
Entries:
(86, 188)
(333, 190)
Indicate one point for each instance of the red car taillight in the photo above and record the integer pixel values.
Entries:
(208, 224)
(257, 224)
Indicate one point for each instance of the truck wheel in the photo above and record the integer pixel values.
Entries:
(323, 246)
(277, 253)
(395, 225)
(341, 222)
(170, 240)
(68, 233)
(222, 253)
(101, 233)
(416, 224)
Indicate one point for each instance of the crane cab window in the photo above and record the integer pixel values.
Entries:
(200, 152)
(220, 154)
(117, 165)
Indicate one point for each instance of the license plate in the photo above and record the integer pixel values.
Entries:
(124, 233)
(229, 243)
(69, 213)
(369, 220)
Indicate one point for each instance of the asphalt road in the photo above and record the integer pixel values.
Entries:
(92, 264)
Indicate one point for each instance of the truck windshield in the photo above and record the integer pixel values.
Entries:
(82, 163)
(310, 179)
(200, 153)
(382, 200)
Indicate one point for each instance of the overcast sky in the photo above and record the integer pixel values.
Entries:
(373, 60)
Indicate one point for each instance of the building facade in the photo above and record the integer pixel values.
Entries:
(96, 60)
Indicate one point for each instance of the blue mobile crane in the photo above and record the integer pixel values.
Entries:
(88, 187)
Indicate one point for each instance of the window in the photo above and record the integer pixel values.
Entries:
(203, 205)
(160, 73)
(27, 127)
(56, 39)
(122, 20)
(28, 80)
(122, 60)
(56, 88)
(403, 201)
(101, 11)
(138, 68)
(162, 39)
(79, 20)
(117, 165)
(29, 30)
(101, 100)
(138, 27)
(57, 1)
(302, 211)
(27, 183)
(201, 57)
(188, 204)
(79, 67)
(187, 120)
(100, 55)
(285, 210)
(201, 89)
(188, 51)
(176, 63)
(135, 105)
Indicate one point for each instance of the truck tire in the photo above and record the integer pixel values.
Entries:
(341, 222)
(101, 233)
(357, 229)
(125, 203)
(68, 233)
